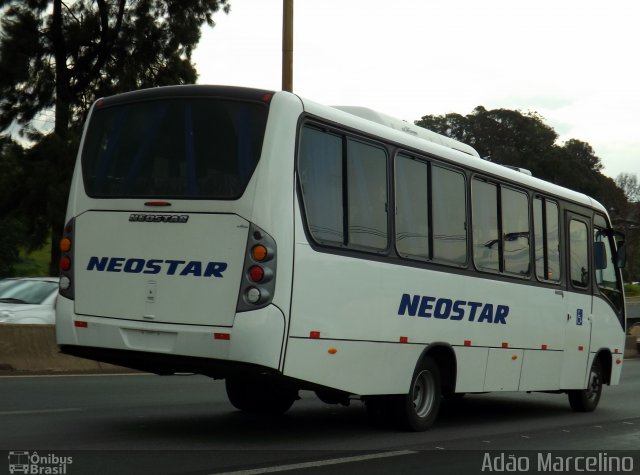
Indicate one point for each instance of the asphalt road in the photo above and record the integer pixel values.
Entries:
(184, 424)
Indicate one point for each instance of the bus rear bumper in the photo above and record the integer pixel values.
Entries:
(256, 338)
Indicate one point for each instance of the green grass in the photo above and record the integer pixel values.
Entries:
(34, 264)
(631, 290)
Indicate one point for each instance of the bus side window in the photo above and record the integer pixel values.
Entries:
(412, 229)
(320, 174)
(546, 239)
(486, 241)
(367, 195)
(515, 231)
(579, 252)
(449, 216)
(344, 194)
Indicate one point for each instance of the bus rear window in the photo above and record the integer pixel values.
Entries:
(187, 148)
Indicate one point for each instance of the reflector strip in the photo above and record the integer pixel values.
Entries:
(467, 343)
(505, 344)
(80, 324)
(314, 334)
(222, 336)
(404, 339)
(544, 347)
(157, 203)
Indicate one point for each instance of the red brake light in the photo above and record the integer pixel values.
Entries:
(256, 273)
(65, 263)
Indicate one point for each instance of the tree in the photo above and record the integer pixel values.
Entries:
(629, 184)
(11, 178)
(577, 167)
(523, 140)
(61, 56)
(503, 136)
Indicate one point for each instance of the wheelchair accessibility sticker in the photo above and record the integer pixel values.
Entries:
(579, 316)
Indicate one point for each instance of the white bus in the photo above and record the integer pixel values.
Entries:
(285, 245)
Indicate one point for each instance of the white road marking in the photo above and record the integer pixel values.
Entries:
(320, 463)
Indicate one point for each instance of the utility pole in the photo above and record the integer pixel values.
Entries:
(287, 45)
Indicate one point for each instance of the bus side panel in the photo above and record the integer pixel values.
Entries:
(357, 367)
(472, 368)
(540, 370)
(347, 298)
(503, 369)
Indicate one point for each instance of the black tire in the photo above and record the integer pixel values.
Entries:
(260, 396)
(586, 400)
(418, 409)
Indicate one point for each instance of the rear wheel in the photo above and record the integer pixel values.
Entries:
(260, 395)
(417, 410)
(586, 400)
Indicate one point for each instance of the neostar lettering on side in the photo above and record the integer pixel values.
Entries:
(447, 309)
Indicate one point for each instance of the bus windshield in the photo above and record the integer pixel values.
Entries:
(181, 148)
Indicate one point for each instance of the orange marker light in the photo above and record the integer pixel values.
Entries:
(259, 253)
(514, 357)
(332, 351)
(65, 245)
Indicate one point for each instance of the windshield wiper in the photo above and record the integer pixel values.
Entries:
(12, 300)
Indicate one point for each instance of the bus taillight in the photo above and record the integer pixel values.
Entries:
(258, 282)
(66, 286)
(259, 253)
(256, 273)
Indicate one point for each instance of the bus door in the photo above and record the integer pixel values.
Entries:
(578, 300)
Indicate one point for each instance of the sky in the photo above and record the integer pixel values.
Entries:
(574, 62)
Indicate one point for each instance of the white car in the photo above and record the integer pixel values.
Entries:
(28, 300)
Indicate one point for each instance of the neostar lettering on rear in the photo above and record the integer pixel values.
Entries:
(447, 309)
(156, 266)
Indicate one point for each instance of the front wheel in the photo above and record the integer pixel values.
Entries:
(586, 400)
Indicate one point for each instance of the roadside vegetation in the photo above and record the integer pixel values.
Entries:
(632, 290)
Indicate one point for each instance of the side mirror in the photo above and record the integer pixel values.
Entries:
(600, 255)
(621, 256)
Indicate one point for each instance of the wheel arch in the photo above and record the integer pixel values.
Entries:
(604, 356)
(445, 358)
